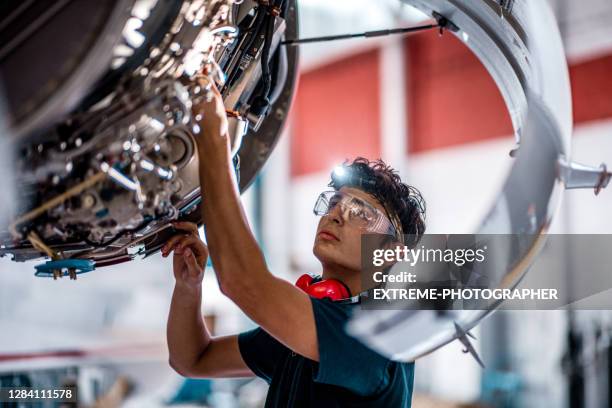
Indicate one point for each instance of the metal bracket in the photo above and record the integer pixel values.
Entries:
(462, 336)
(64, 267)
(576, 175)
(444, 23)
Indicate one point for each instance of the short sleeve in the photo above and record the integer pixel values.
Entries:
(343, 360)
(260, 352)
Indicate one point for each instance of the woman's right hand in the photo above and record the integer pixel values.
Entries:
(190, 255)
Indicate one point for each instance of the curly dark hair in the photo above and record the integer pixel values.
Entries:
(383, 182)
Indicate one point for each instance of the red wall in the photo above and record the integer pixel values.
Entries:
(592, 89)
(336, 114)
(452, 99)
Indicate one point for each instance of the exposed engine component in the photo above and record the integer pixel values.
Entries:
(102, 183)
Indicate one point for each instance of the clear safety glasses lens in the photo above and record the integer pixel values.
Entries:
(355, 210)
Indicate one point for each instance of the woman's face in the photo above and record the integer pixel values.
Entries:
(338, 240)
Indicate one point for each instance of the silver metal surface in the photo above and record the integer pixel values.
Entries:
(116, 170)
(69, 93)
(521, 48)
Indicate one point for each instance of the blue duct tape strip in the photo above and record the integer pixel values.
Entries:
(80, 265)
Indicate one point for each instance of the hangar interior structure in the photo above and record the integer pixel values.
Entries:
(425, 104)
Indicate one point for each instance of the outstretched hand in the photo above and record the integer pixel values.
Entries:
(211, 117)
(190, 254)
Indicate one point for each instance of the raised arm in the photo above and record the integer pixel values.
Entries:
(280, 308)
(192, 350)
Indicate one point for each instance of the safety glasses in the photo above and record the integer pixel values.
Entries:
(354, 210)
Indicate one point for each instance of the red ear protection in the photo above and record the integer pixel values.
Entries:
(323, 288)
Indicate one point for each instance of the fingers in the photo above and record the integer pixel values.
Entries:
(194, 244)
(186, 226)
(207, 83)
(214, 106)
(169, 246)
(204, 81)
(192, 263)
(179, 244)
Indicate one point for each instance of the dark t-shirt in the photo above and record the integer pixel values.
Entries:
(348, 373)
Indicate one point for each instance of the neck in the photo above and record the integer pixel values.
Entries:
(350, 277)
